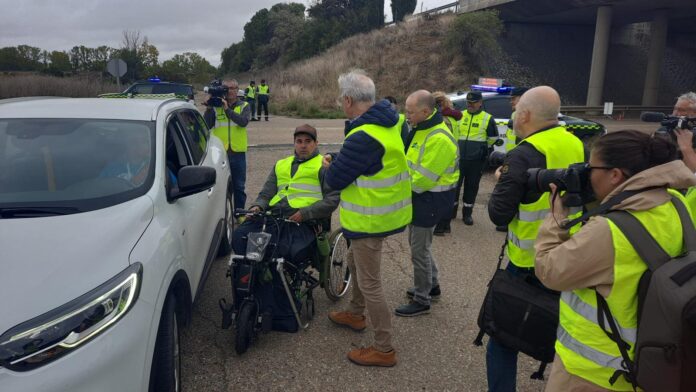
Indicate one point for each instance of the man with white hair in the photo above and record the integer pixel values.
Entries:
(686, 107)
(546, 145)
(372, 175)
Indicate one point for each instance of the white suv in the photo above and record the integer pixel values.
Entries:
(111, 212)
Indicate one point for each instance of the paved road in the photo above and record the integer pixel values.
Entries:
(435, 351)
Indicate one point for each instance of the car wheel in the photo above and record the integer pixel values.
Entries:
(226, 240)
(166, 361)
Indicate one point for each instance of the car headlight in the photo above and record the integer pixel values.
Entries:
(47, 337)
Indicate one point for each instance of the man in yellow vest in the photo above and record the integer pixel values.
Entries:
(250, 97)
(263, 92)
(372, 174)
(544, 144)
(295, 188)
(477, 132)
(228, 122)
(432, 161)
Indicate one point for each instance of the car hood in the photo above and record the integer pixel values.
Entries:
(47, 261)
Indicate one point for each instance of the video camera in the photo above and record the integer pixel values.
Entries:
(217, 91)
(575, 181)
(670, 123)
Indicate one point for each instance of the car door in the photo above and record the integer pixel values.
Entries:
(190, 210)
(213, 205)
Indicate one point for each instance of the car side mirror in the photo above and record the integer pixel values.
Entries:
(192, 180)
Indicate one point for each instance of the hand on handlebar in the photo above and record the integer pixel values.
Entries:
(296, 217)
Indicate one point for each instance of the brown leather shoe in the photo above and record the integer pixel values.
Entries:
(347, 319)
(369, 356)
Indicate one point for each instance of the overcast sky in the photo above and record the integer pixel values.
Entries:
(173, 26)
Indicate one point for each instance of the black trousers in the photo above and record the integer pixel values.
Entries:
(263, 104)
(470, 173)
(252, 104)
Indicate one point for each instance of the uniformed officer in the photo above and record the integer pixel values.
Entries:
(432, 162)
(250, 97)
(264, 93)
(510, 138)
(544, 145)
(229, 123)
(477, 132)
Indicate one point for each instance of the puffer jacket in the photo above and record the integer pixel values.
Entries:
(586, 259)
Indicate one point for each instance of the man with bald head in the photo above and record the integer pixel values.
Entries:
(432, 163)
(543, 144)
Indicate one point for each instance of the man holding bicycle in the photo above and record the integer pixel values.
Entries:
(294, 190)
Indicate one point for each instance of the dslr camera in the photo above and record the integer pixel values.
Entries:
(575, 181)
(217, 91)
(670, 123)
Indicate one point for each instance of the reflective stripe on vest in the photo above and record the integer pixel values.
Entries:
(263, 89)
(233, 137)
(379, 203)
(436, 182)
(584, 348)
(301, 190)
(473, 127)
(560, 149)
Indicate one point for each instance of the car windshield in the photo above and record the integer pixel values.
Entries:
(74, 164)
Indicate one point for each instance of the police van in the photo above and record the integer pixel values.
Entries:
(496, 102)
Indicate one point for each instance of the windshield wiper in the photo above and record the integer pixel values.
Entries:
(33, 212)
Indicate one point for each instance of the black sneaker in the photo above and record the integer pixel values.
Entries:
(439, 230)
(411, 309)
(434, 292)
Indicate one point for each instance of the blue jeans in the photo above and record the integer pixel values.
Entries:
(501, 362)
(238, 172)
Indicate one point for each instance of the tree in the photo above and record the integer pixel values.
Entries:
(59, 63)
(187, 67)
(401, 8)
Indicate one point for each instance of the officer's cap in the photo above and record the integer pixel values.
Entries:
(474, 96)
(518, 91)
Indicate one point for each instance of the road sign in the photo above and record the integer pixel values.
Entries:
(116, 67)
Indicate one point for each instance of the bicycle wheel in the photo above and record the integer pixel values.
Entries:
(336, 271)
(246, 320)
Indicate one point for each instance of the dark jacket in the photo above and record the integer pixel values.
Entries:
(361, 154)
(511, 189)
(319, 210)
(430, 207)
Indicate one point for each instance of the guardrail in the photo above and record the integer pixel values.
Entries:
(445, 7)
(617, 108)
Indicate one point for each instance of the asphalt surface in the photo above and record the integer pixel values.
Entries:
(435, 351)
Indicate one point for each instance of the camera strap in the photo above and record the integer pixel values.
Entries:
(605, 207)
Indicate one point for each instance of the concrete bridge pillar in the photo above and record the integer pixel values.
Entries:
(599, 56)
(658, 41)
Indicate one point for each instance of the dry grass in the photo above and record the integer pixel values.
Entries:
(29, 85)
(400, 59)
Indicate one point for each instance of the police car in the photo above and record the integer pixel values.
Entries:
(496, 101)
(155, 86)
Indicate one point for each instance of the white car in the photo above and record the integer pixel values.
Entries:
(111, 212)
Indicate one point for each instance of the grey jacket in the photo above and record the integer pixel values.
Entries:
(319, 210)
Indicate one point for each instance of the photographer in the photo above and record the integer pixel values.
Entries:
(600, 257)
(686, 107)
(228, 122)
(544, 144)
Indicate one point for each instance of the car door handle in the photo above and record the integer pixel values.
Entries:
(224, 163)
(210, 192)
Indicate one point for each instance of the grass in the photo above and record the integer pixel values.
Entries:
(400, 59)
(14, 85)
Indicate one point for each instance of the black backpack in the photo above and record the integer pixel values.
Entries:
(665, 351)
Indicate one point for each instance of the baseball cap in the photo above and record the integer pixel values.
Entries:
(474, 96)
(307, 130)
(518, 91)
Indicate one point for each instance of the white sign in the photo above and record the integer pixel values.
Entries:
(608, 108)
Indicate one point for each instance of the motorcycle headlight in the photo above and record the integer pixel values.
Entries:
(47, 337)
(256, 245)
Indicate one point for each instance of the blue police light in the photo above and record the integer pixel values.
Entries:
(492, 89)
(154, 79)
